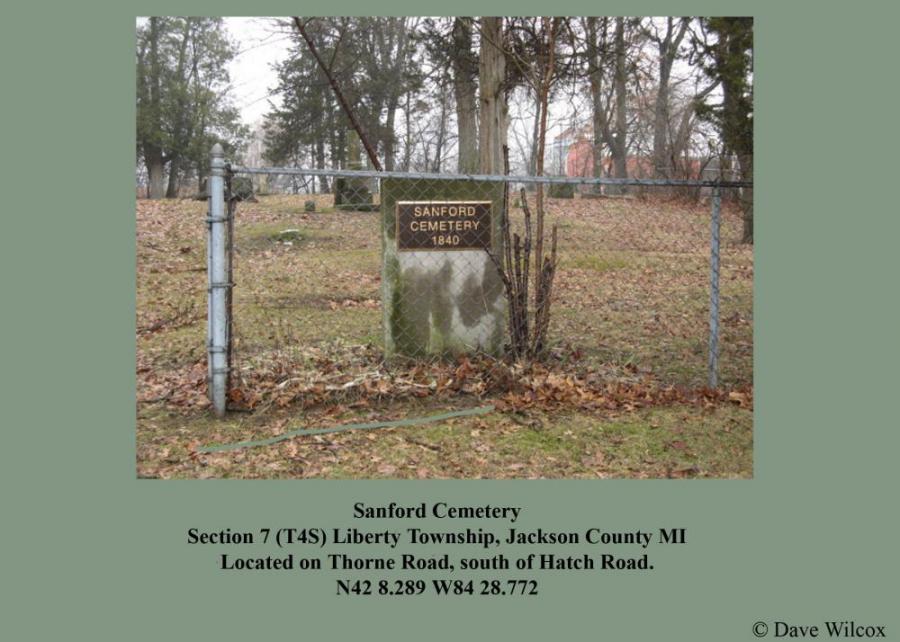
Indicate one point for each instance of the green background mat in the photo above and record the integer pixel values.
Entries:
(90, 552)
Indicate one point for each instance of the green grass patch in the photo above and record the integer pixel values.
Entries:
(677, 441)
(600, 262)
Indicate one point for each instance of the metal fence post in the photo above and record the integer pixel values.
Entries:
(714, 288)
(217, 326)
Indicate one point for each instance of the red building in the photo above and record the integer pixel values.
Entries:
(574, 156)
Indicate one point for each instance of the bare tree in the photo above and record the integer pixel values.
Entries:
(596, 60)
(618, 142)
(667, 44)
(608, 104)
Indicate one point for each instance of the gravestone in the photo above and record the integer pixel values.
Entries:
(442, 294)
(353, 194)
(241, 189)
(561, 190)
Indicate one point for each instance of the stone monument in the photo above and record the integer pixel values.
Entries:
(442, 293)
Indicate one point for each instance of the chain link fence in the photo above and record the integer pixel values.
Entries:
(360, 268)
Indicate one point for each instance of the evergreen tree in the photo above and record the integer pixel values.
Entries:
(182, 103)
(729, 59)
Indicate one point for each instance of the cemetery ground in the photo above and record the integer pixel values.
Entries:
(621, 394)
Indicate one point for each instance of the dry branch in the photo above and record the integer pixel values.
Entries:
(527, 333)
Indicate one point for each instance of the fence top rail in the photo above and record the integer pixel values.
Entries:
(496, 178)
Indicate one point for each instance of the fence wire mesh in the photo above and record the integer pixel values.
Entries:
(321, 286)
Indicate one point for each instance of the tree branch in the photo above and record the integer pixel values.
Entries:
(340, 96)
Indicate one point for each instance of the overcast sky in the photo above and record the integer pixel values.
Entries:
(252, 78)
(261, 43)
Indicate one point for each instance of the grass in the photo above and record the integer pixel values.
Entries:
(674, 442)
(596, 263)
(632, 304)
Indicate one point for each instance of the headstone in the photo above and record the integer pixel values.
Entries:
(262, 185)
(442, 294)
(241, 189)
(353, 193)
(203, 193)
(561, 190)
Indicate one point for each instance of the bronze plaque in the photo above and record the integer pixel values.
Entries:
(443, 225)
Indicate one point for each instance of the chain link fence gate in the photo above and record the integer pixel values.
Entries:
(652, 278)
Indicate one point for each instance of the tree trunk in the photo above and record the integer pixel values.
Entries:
(442, 134)
(668, 50)
(155, 171)
(388, 137)
(542, 86)
(172, 189)
(681, 143)
(153, 154)
(661, 167)
(340, 152)
(535, 134)
(491, 74)
(181, 134)
(616, 138)
(464, 72)
(598, 118)
(407, 137)
(746, 197)
(619, 146)
(320, 163)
